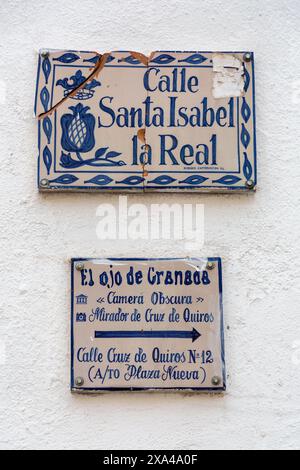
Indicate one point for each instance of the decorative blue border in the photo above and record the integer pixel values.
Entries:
(193, 179)
(149, 389)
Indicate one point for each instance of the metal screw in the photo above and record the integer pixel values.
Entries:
(247, 57)
(210, 265)
(79, 266)
(216, 380)
(45, 54)
(250, 184)
(44, 182)
(79, 381)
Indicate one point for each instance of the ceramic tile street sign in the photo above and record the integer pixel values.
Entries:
(122, 121)
(140, 324)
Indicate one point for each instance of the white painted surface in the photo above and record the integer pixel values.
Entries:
(257, 236)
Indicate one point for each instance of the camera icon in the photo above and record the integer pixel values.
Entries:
(81, 317)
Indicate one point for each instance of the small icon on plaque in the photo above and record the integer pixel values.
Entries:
(81, 299)
(81, 317)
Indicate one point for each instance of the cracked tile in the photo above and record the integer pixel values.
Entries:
(121, 121)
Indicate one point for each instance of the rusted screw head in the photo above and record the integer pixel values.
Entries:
(79, 381)
(250, 184)
(79, 266)
(44, 183)
(210, 265)
(216, 381)
(247, 57)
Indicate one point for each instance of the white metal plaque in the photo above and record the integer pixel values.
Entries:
(147, 324)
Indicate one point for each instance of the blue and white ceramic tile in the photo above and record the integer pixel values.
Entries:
(140, 324)
(176, 121)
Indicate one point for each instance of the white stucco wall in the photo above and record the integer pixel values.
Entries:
(256, 235)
